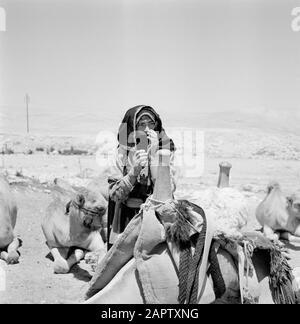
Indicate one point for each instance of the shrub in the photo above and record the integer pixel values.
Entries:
(19, 173)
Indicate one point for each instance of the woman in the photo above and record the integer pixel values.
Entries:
(132, 176)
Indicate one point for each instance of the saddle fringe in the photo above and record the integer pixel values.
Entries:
(179, 231)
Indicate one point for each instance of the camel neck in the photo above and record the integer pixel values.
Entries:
(162, 188)
(224, 173)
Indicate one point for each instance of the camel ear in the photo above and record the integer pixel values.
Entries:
(68, 207)
(272, 185)
(290, 200)
(80, 200)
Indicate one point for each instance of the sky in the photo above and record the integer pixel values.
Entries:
(183, 57)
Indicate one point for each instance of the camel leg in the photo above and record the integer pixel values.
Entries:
(262, 269)
(290, 237)
(60, 262)
(75, 257)
(97, 250)
(269, 233)
(11, 256)
(230, 277)
(96, 243)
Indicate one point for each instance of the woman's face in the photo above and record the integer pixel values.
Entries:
(145, 124)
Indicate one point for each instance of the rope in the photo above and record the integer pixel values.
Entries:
(88, 211)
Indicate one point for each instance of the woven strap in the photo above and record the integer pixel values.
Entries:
(216, 274)
(189, 269)
(184, 262)
(87, 211)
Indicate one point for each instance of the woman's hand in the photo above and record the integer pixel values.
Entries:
(153, 139)
(140, 160)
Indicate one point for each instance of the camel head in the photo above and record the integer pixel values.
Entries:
(87, 210)
(294, 205)
(273, 186)
(276, 210)
(224, 172)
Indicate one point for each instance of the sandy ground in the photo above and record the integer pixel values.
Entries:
(33, 280)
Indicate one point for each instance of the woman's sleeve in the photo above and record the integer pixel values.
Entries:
(119, 185)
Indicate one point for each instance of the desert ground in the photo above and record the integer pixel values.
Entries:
(31, 163)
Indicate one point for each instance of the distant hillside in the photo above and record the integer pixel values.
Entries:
(266, 120)
(79, 123)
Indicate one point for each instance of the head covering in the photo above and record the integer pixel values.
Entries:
(143, 113)
(127, 131)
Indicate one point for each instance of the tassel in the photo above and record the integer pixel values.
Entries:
(281, 279)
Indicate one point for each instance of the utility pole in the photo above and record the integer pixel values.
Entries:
(27, 100)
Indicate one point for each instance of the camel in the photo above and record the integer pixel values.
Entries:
(279, 215)
(94, 189)
(8, 216)
(73, 225)
(144, 265)
(228, 206)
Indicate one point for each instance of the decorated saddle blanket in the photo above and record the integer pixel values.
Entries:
(171, 244)
(147, 239)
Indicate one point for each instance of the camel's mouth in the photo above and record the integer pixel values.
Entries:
(296, 205)
(294, 202)
(95, 227)
(96, 210)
